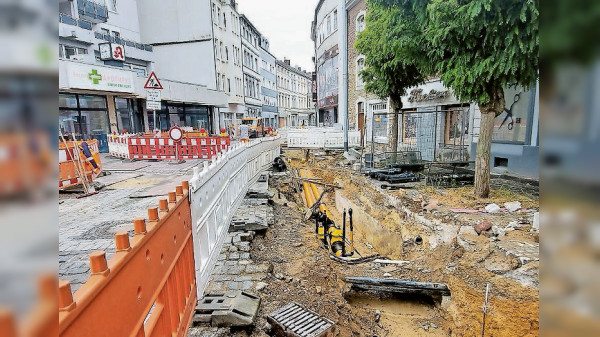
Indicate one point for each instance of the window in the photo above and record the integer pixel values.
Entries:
(360, 66)
(217, 53)
(335, 20)
(224, 21)
(221, 51)
(360, 23)
(111, 5)
(214, 12)
(229, 85)
(227, 54)
(328, 25)
(69, 52)
(380, 120)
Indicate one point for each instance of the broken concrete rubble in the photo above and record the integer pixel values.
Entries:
(492, 208)
(483, 226)
(512, 206)
(233, 308)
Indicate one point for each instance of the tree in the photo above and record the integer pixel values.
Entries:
(389, 71)
(478, 48)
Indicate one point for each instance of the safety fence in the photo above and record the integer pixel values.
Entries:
(131, 146)
(148, 288)
(320, 138)
(217, 190)
(151, 285)
(69, 158)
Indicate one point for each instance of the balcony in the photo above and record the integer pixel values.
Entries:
(93, 11)
(69, 20)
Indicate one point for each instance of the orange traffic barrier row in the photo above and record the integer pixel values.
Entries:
(148, 288)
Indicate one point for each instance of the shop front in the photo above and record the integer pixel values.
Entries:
(95, 101)
(182, 115)
(83, 116)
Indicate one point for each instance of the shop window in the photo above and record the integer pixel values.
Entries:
(409, 127)
(457, 126)
(84, 117)
(511, 125)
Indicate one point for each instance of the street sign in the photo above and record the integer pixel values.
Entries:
(153, 95)
(176, 134)
(153, 105)
(153, 82)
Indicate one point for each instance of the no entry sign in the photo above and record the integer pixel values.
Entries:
(176, 134)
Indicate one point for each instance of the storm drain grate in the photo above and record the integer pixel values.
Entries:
(295, 321)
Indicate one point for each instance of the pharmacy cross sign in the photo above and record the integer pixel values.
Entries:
(94, 76)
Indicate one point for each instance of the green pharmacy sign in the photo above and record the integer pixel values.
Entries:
(95, 77)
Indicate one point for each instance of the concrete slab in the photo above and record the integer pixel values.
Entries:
(233, 308)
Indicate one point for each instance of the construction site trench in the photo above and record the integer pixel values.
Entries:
(426, 228)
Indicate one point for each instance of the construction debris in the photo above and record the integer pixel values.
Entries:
(293, 320)
(234, 308)
(397, 286)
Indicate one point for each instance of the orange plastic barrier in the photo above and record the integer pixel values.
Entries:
(67, 171)
(147, 289)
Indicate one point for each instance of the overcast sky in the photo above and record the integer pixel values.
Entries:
(286, 23)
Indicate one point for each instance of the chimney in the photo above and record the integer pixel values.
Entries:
(286, 61)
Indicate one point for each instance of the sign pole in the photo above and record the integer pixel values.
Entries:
(154, 117)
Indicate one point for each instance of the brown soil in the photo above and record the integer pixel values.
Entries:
(513, 308)
(309, 277)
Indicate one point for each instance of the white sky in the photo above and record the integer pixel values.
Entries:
(286, 24)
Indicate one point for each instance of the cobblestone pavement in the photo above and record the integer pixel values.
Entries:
(89, 224)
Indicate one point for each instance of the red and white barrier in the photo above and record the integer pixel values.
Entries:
(138, 148)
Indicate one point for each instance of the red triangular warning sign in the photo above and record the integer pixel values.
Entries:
(153, 82)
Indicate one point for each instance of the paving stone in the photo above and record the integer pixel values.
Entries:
(233, 285)
(222, 277)
(231, 263)
(245, 256)
(242, 278)
(247, 285)
(244, 262)
(233, 270)
(222, 257)
(234, 256)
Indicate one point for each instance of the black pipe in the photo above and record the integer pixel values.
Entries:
(351, 231)
(317, 222)
(344, 233)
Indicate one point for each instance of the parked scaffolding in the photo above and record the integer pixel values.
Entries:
(133, 146)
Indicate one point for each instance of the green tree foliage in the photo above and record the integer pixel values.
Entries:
(476, 47)
(389, 72)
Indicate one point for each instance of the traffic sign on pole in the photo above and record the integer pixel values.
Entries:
(152, 82)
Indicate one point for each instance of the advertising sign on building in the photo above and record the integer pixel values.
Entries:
(112, 51)
(94, 77)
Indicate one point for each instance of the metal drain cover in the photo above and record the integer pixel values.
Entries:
(293, 320)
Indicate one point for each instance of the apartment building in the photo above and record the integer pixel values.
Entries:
(294, 96)
(184, 52)
(250, 67)
(268, 72)
(103, 64)
(327, 39)
(228, 59)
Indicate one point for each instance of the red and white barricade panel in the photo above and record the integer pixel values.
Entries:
(164, 148)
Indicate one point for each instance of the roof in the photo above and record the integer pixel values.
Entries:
(294, 69)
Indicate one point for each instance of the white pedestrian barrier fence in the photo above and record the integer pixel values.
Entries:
(216, 191)
(319, 138)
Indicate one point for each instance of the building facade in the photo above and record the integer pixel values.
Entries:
(364, 109)
(294, 95)
(228, 59)
(103, 64)
(250, 67)
(185, 59)
(326, 36)
(268, 72)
